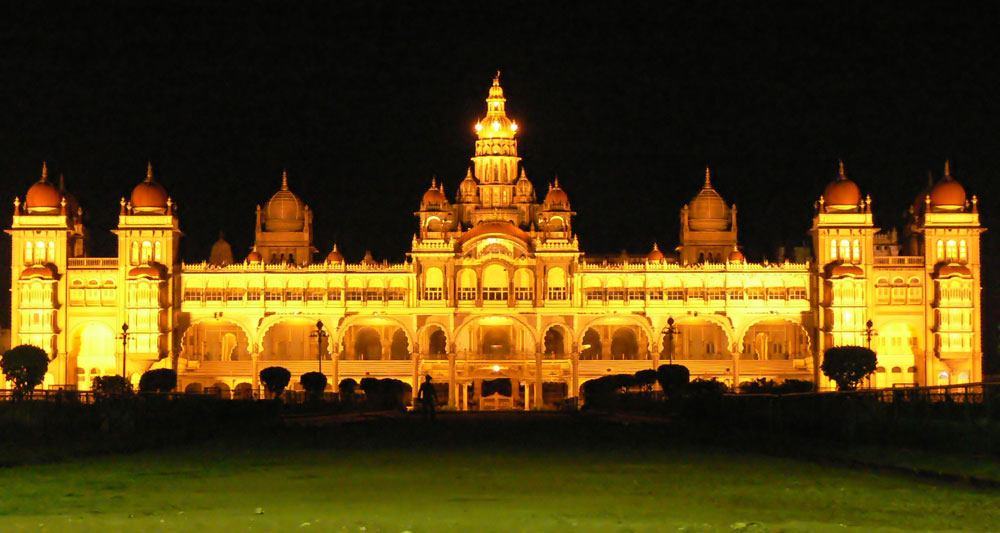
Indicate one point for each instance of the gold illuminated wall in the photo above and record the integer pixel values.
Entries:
(495, 286)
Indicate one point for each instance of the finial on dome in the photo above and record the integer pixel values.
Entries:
(434, 183)
(947, 170)
(523, 174)
(656, 247)
(62, 182)
(557, 181)
(496, 80)
(284, 179)
(45, 172)
(708, 177)
(149, 171)
(975, 203)
(841, 175)
(17, 205)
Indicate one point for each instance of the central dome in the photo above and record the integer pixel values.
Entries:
(43, 197)
(708, 210)
(842, 194)
(284, 211)
(149, 196)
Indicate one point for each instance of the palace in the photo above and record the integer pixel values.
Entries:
(496, 287)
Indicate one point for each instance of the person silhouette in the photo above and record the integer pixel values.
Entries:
(428, 397)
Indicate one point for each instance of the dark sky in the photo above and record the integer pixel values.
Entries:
(364, 102)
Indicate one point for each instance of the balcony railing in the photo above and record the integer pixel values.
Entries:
(899, 260)
(93, 262)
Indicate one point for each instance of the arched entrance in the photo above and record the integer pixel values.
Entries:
(697, 339)
(592, 347)
(292, 339)
(93, 347)
(554, 343)
(775, 340)
(215, 340)
(496, 338)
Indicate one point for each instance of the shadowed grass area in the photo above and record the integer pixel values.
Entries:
(475, 473)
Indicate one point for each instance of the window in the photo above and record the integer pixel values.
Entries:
(845, 250)
(951, 250)
(755, 293)
(716, 294)
(135, 253)
(466, 294)
(940, 250)
(655, 294)
(696, 293)
(557, 293)
(157, 251)
(214, 294)
(524, 293)
(234, 294)
(273, 295)
(333, 294)
(856, 251)
(374, 294)
(28, 256)
(293, 295)
(963, 251)
(193, 294)
(147, 252)
(356, 295)
(675, 294)
(775, 293)
(495, 294)
(833, 249)
(433, 293)
(314, 294)
(636, 294)
(797, 293)
(616, 293)
(254, 294)
(593, 294)
(395, 294)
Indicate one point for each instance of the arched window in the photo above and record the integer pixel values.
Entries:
(51, 256)
(135, 253)
(147, 251)
(963, 252)
(845, 250)
(940, 250)
(951, 250)
(833, 250)
(157, 251)
(29, 257)
(556, 279)
(40, 252)
(856, 251)
(433, 284)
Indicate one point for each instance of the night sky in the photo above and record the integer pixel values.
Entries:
(364, 103)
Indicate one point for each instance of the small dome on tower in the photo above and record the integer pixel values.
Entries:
(335, 256)
(149, 196)
(434, 197)
(708, 210)
(368, 259)
(468, 190)
(842, 194)
(254, 257)
(656, 255)
(222, 253)
(284, 211)
(43, 197)
(556, 198)
(947, 194)
(736, 256)
(524, 191)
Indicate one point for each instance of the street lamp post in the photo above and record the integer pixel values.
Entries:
(320, 334)
(869, 333)
(670, 331)
(124, 337)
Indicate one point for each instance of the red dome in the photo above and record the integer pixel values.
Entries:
(434, 196)
(656, 255)
(556, 197)
(149, 195)
(504, 227)
(254, 257)
(737, 256)
(335, 256)
(954, 270)
(948, 193)
(43, 197)
(842, 192)
(846, 270)
(38, 271)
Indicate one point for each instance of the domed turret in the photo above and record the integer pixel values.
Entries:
(254, 257)
(556, 198)
(222, 253)
(707, 210)
(468, 189)
(43, 197)
(368, 259)
(284, 211)
(524, 192)
(656, 255)
(496, 124)
(149, 197)
(335, 256)
(434, 198)
(947, 194)
(841, 194)
(736, 256)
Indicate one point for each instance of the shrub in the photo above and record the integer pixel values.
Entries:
(706, 387)
(672, 378)
(314, 383)
(759, 386)
(645, 378)
(848, 365)
(603, 392)
(275, 379)
(159, 380)
(385, 393)
(25, 367)
(348, 386)
(795, 385)
(106, 386)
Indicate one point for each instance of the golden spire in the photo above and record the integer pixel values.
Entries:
(149, 171)
(841, 175)
(284, 179)
(62, 182)
(45, 172)
(496, 124)
(947, 170)
(708, 178)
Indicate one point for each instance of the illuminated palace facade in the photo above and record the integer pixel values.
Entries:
(496, 286)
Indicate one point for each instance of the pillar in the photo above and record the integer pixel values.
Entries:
(451, 380)
(527, 395)
(416, 376)
(574, 364)
(336, 371)
(538, 380)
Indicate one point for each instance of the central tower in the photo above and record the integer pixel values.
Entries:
(496, 152)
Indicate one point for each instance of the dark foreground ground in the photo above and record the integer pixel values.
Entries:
(513, 472)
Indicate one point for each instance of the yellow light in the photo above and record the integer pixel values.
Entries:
(496, 368)
(513, 126)
(496, 125)
(496, 105)
(479, 127)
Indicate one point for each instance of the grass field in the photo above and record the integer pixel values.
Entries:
(542, 473)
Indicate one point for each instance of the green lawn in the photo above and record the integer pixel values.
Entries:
(545, 473)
